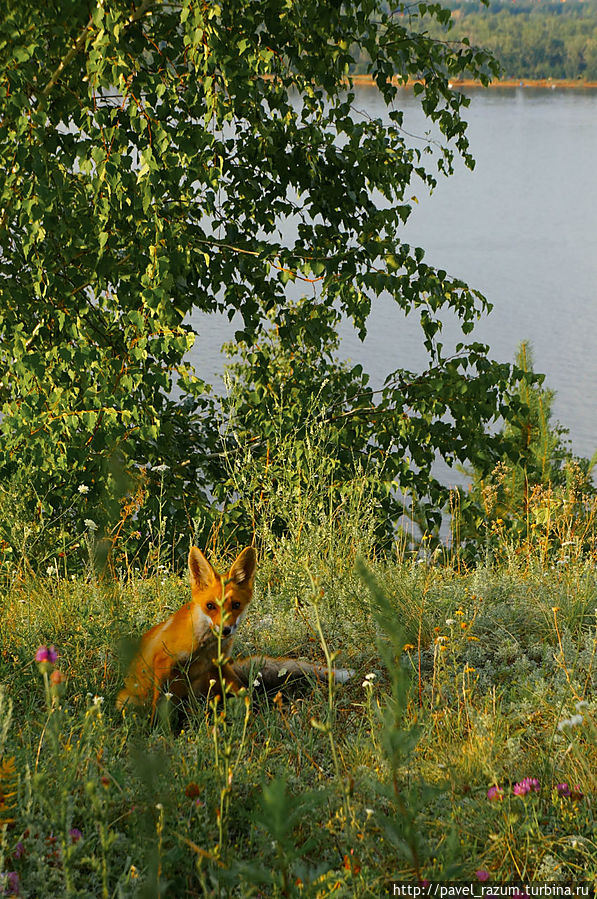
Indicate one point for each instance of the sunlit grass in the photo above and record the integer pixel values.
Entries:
(500, 688)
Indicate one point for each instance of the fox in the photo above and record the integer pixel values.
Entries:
(181, 651)
(191, 635)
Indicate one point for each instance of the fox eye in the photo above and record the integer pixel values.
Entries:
(211, 606)
(236, 605)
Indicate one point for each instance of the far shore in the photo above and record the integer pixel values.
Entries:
(549, 83)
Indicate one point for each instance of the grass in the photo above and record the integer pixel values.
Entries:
(464, 682)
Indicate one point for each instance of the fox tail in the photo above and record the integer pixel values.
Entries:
(273, 675)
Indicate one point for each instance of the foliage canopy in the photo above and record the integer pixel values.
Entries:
(158, 158)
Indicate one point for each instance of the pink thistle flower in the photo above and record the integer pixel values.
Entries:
(481, 874)
(42, 654)
(563, 790)
(526, 786)
(46, 654)
(495, 794)
(75, 834)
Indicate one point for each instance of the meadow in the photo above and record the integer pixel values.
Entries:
(463, 749)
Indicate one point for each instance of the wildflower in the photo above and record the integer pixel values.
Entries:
(161, 468)
(192, 790)
(580, 705)
(9, 883)
(481, 874)
(105, 781)
(90, 524)
(576, 794)
(563, 790)
(19, 850)
(50, 570)
(495, 794)
(168, 696)
(574, 721)
(46, 654)
(450, 621)
(525, 786)
(97, 701)
(75, 834)
(368, 682)
(83, 488)
(57, 678)
(133, 872)
(408, 647)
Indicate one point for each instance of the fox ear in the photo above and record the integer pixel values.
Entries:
(201, 573)
(243, 570)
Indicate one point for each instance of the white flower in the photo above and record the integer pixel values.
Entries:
(83, 488)
(90, 524)
(97, 701)
(168, 696)
(50, 570)
(581, 704)
(574, 721)
(450, 621)
(161, 468)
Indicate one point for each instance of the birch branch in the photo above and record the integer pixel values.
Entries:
(80, 42)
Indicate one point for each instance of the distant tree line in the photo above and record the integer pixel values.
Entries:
(530, 39)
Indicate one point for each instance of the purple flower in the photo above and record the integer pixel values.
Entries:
(482, 874)
(9, 883)
(19, 850)
(46, 654)
(525, 786)
(563, 790)
(75, 835)
(495, 793)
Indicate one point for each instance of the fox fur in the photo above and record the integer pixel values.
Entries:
(180, 653)
(191, 636)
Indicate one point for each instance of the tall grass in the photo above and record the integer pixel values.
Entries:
(464, 746)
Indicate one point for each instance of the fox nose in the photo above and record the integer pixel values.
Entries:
(226, 631)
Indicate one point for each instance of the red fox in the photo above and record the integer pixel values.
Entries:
(191, 634)
(181, 650)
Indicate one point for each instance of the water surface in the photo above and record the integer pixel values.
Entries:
(521, 228)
